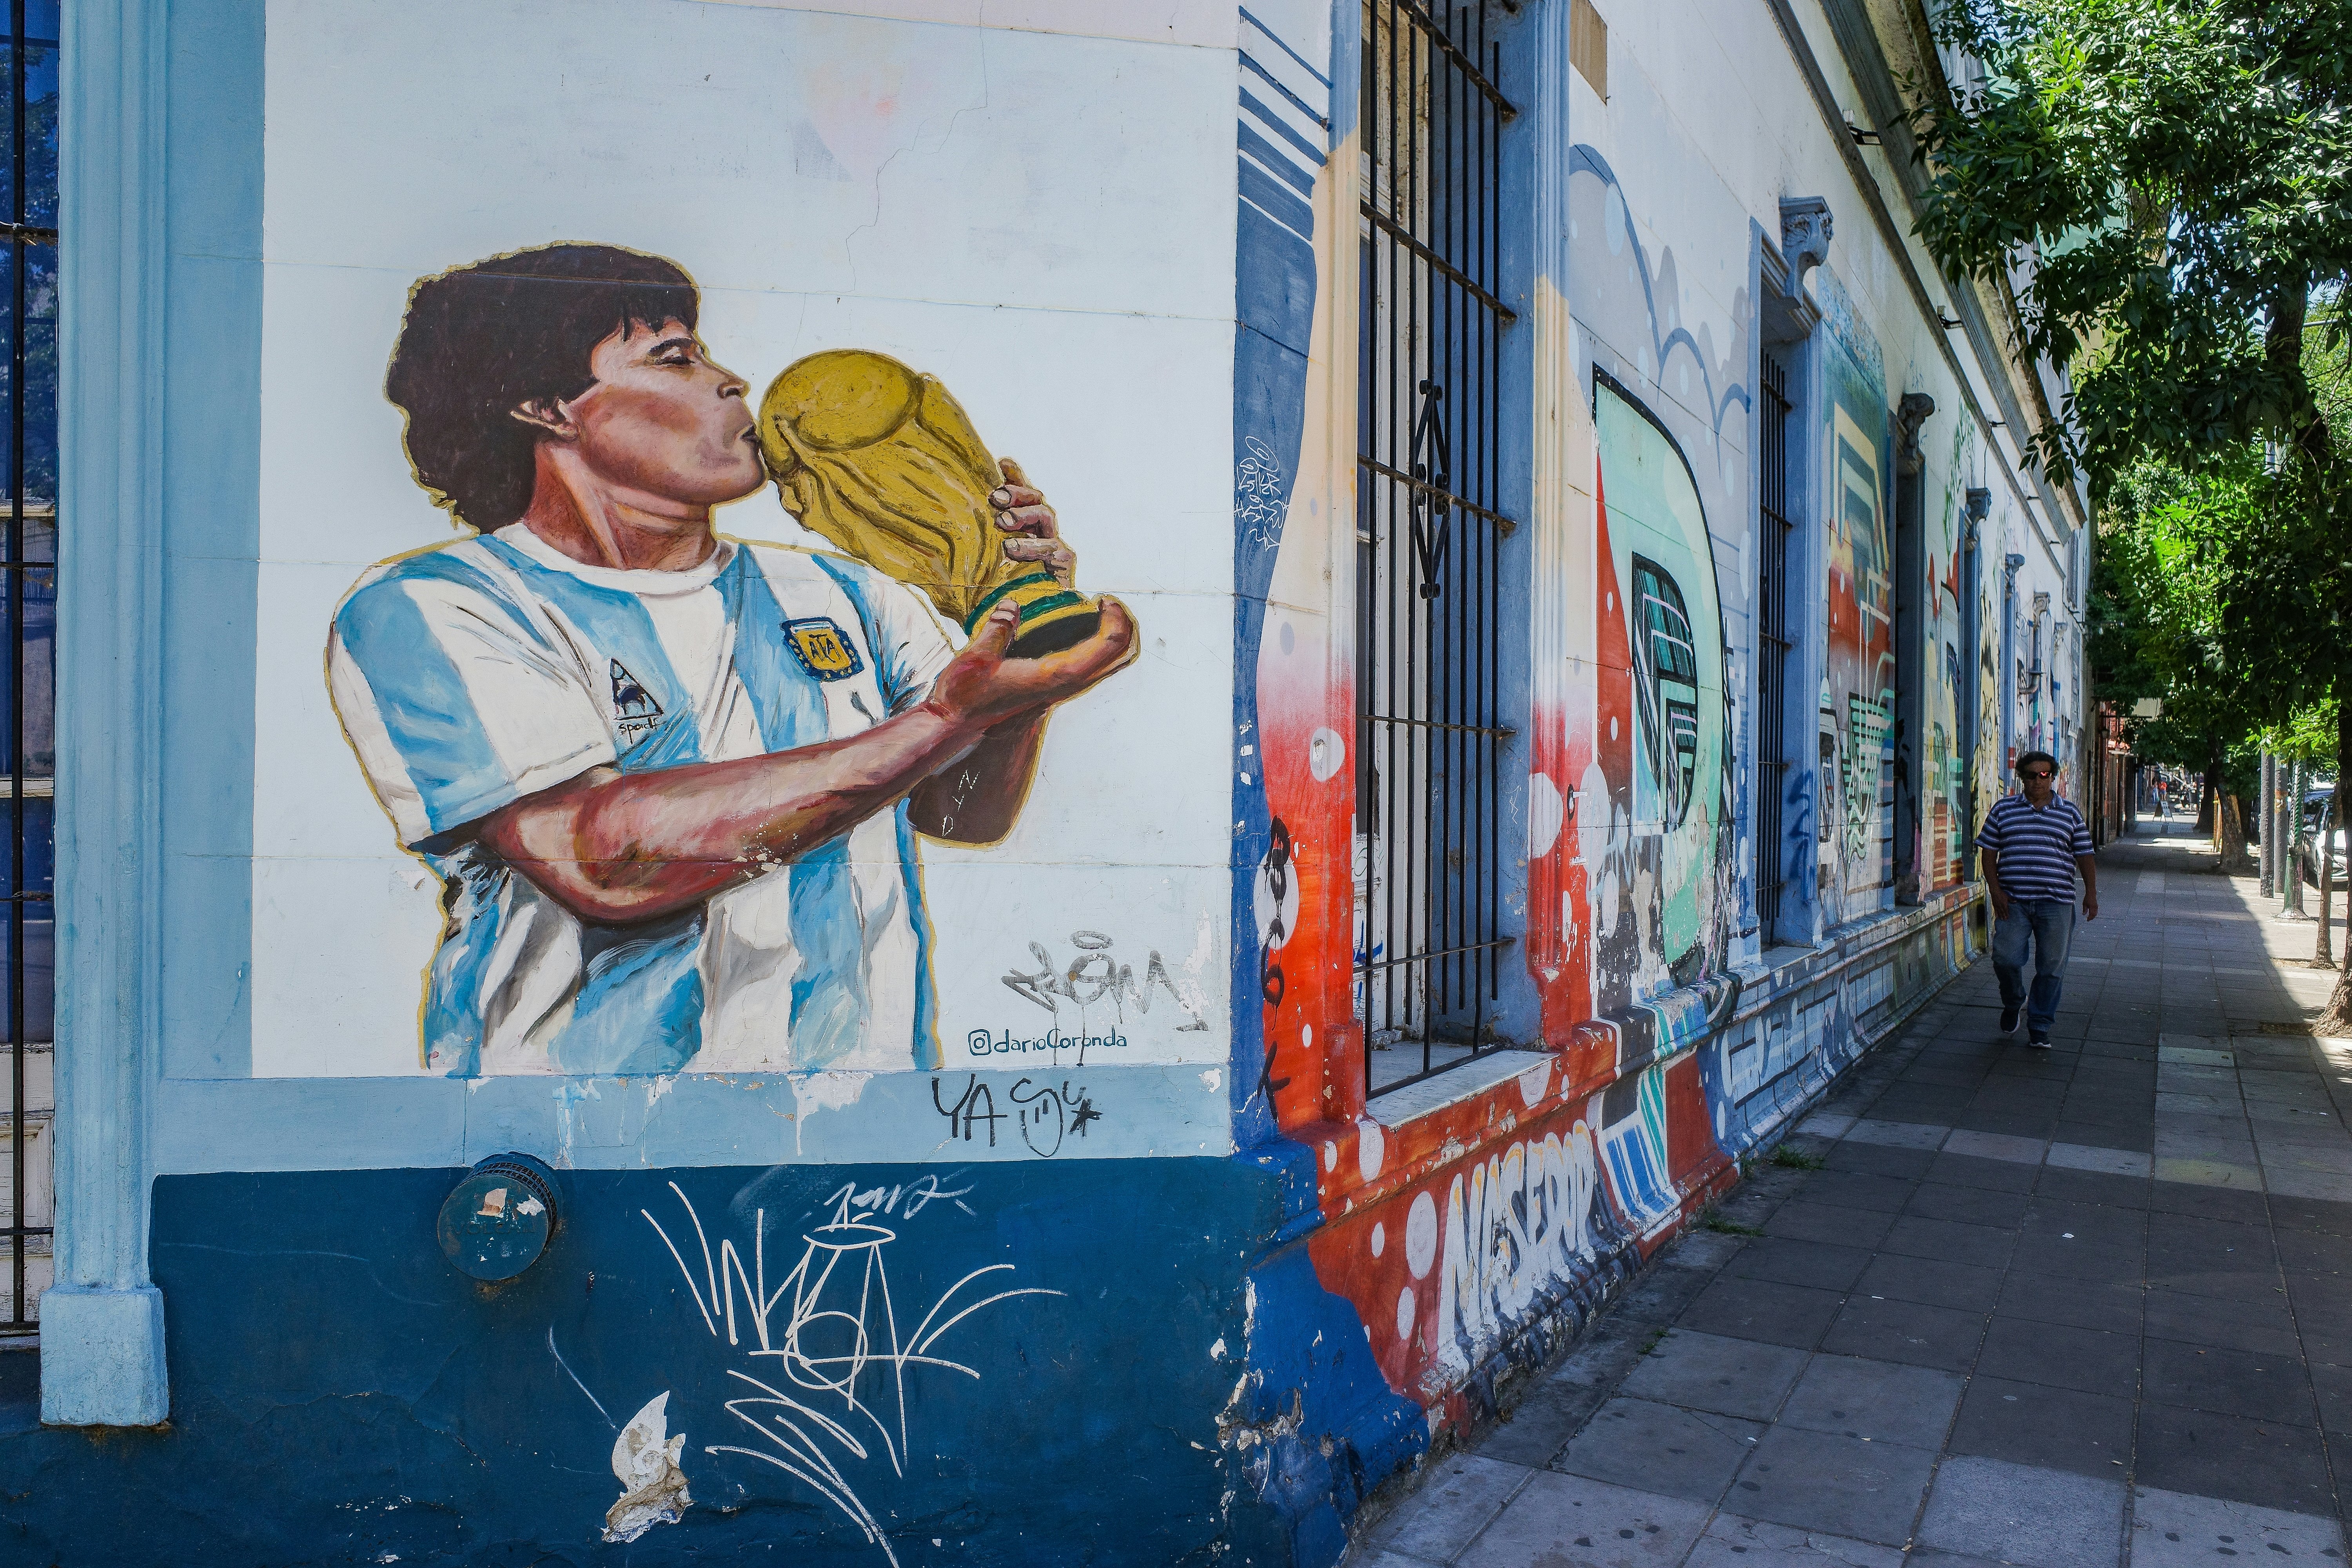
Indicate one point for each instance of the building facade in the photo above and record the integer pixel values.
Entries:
(1562, 591)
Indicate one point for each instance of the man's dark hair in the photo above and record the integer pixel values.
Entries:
(481, 340)
(2038, 757)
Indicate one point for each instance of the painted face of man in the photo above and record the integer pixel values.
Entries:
(666, 421)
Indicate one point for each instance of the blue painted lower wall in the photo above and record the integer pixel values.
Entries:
(340, 1394)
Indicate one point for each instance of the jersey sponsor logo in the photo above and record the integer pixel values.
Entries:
(822, 648)
(634, 711)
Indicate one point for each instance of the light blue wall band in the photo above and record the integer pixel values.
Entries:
(631, 1123)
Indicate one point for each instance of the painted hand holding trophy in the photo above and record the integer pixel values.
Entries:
(880, 459)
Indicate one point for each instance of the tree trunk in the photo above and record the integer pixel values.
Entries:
(2235, 861)
(2336, 1018)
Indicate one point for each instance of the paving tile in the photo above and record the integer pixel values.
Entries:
(2099, 1187)
(2197, 1318)
(1735, 1542)
(1541, 1425)
(2104, 1161)
(1975, 1171)
(2099, 1223)
(1709, 1371)
(1700, 1249)
(2202, 1198)
(1664, 1447)
(1906, 1331)
(1559, 1519)
(1966, 1205)
(1794, 1262)
(1988, 1247)
(2238, 1175)
(1858, 1190)
(1826, 1481)
(2023, 1514)
(1918, 1137)
(1898, 1277)
(2236, 1382)
(2296, 1212)
(2291, 1182)
(2057, 1356)
(1881, 1401)
(1763, 1309)
(1660, 1296)
(1803, 1221)
(2175, 1530)
(2037, 1424)
(2076, 1259)
(2334, 1386)
(1462, 1493)
(2235, 1456)
(2002, 1135)
(2113, 1307)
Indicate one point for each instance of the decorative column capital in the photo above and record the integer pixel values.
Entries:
(1909, 415)
(1805, 227)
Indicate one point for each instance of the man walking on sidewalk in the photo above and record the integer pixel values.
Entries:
(2032, 843)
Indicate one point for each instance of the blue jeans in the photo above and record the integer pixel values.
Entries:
(2049, 925)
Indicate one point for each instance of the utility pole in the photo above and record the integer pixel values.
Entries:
(2292, 842)
(2266, 793)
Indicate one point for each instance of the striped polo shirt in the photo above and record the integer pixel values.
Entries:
(2037, 848)
(490, 669)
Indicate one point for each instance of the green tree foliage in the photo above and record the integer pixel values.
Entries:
(2176, 178)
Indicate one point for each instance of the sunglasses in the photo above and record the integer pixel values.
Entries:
(2036, 773)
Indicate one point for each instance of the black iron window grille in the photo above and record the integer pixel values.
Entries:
(1772, 645)
(30, 569)
(1428, 539)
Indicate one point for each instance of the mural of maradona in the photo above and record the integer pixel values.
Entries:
(673, 783)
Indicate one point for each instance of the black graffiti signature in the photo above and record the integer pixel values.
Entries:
(1045, 1115)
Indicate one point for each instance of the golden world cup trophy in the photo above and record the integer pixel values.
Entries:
(879, 458)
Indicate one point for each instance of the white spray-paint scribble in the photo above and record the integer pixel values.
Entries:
(853, 1393)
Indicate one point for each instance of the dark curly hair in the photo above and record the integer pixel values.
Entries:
(481, 340)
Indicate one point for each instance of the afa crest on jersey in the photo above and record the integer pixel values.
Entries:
(822, 648)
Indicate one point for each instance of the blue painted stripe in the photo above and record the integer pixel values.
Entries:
(829, 1001)
(895, 681)
(784, 697)
(618, 627)
(1265, 152)
(1276, 203)
(424, 705)
(1276, 123)
(640, 1010)
(448, 565)
(1281, 44)
(1274, 82)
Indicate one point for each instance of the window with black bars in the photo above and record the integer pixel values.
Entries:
(1772, 645)
(30, 296)
(1429, 532)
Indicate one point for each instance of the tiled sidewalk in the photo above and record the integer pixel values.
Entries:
(2083, 1309)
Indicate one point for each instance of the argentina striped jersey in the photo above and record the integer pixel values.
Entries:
(470, 676)
(2036, 848)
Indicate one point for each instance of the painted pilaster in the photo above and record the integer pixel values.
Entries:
(102, 1322)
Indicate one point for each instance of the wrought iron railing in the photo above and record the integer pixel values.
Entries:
(28, 604)
(1430, 528)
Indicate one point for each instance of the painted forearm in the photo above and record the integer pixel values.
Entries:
(624, 846)
(977, 800)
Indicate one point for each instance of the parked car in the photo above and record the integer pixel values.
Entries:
(2314, 812)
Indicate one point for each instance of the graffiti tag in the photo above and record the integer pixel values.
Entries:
(1093, 976)
(1044, 1114)
(830, 1331)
